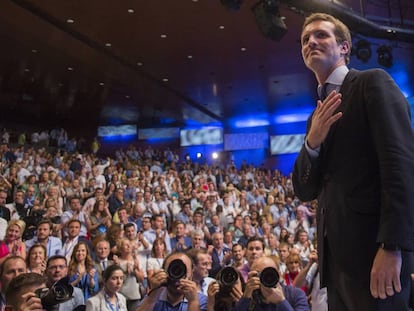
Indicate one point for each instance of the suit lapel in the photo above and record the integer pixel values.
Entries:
(345, 89)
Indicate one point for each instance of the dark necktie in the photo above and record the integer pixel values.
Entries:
(324, 91)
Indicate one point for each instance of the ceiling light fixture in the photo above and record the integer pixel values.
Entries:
(130, 11)
(163, 36)
(70, 21)
(268, 19)
(385, 56)
(108, 44)
(363, 50)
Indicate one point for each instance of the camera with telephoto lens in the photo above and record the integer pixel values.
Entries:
(177, 270)
(60, 292)
(269, 277)
(226, 278)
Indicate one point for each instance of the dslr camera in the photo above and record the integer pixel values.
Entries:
(226, 278)
(176, 270)
(60, 292)
(269, 277)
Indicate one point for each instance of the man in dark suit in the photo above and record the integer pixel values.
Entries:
(102, 250)
(358, 160)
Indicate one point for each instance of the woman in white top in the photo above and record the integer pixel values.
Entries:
(109, 298)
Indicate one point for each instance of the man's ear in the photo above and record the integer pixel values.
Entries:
(345, 47)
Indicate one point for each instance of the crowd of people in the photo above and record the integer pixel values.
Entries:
(75, 215)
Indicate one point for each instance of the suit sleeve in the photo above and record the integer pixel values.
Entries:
(389, 120)
(306, 173)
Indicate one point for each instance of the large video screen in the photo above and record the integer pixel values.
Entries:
(283, 144)
(203, 136)
(158, 133)
(117, 130)
(245, 141)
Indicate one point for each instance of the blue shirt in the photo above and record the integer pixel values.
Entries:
(53, 247)
(295, 301)
(163, 305)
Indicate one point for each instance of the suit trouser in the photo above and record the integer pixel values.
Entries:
(347, 294)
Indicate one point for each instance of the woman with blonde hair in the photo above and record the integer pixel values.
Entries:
(12, 245)
(133, 275)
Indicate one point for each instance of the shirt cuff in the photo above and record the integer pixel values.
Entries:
(313, 153)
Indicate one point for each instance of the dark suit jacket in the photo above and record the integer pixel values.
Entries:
(216, 264)
(99, 271)
(363, 176)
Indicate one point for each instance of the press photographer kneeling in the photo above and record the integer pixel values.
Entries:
(172, 287)
(263, 292)
(224, 293)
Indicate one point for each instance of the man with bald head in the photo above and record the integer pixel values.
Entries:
(277, 298)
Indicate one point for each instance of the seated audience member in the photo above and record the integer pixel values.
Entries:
(74, 213)
(36, 259)
(167, 293)
(158, 255)
(134, 275)
(238, 256)
(258, 297)
(12, 245)
(180, 242)
(254, 249)
(109, 298)
(220, 255)
(44, 236)
(82, 272)
(73, 238)
(99, 220)
(294, 265)
(102, 250)
(202, 264)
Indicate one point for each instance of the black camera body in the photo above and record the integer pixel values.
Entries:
(226, 278)
(269, 277)
(177, 270)
(60, 292)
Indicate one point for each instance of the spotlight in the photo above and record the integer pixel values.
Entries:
(214, 155)
(363, 50)
(199, 155)
(385, 56)
(268, 19)
(232, 4)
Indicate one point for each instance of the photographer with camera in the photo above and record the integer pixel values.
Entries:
(172, 287)
(21, 293)
(224, 293)
(263, 291)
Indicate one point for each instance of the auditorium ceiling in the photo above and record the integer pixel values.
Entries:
(167, 63)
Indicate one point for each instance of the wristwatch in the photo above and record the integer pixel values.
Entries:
(390, 247)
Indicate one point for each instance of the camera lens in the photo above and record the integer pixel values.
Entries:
(269, 277)
(60, 292)
(228, 276)
(177, 270)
